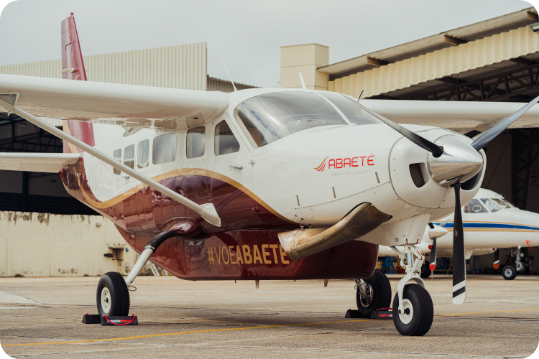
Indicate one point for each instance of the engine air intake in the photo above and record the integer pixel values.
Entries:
(417, 175)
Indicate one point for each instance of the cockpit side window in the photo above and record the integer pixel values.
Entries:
(349, 108)
(491, 205)
(225, 141)
(474, 206)
(270, 117)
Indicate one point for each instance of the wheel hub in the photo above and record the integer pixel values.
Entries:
(407, 312)
(106, 300)
(366, 294)
(508, 272)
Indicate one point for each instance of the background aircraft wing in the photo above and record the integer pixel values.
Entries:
(37, 162)
(460, 116)
(125, 105)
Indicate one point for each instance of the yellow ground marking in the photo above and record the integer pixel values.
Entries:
(245, 328)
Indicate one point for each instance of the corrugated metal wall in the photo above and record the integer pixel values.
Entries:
(182, 67)
(215, 84)
(437, 64)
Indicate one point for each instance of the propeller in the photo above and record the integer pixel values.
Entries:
(459, 261)
(422, 142)
(454, 178)
(496, 263)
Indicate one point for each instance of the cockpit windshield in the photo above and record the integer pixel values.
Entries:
(503, 203)
(270, 117)
(349, 108)
(492, 205)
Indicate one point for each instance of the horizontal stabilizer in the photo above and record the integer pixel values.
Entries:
(37, 162)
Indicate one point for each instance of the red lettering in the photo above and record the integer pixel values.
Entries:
(362, 159)
(330, 163)
(354, 162)
(349, 162)
(338, 162)
(370, 159)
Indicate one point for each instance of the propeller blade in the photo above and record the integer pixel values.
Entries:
(433, 148)
(433, 255)
(491, 133)
(496, 263)
(459, 261)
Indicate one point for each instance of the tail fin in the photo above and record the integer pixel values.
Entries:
(73, 69)
(72, 62)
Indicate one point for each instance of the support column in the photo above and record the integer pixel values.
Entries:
(305, 59)
(24, 197)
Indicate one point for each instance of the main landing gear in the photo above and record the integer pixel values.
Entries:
(373, 293)
(413, 310)
(112, 290)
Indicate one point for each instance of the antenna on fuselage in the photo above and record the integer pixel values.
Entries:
(235, 90)
(360, 95)
(302, 82)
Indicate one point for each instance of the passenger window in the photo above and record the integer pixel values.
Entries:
(474, 206)
(143, 154)
(164, 149)
(129, 156)
(225, 142)
(491, 205)
(117, 155)
(196, 142)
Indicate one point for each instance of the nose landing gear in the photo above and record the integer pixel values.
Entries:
(413, 310)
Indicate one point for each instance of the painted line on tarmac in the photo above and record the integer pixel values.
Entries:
(190, 332)
(244, 328)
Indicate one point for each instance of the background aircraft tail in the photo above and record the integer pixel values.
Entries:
(73, 69)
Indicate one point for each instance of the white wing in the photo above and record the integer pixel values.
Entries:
(462, 116)
(126, 105)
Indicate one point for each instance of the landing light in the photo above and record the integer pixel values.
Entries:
(535, 27)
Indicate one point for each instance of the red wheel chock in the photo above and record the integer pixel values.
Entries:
(105, 320)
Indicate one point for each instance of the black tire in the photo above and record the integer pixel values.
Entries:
(422, 311)
(380, 295)
(425, 270)
(509, 272)
(114, 291)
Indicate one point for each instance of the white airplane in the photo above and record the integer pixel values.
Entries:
(490, 223)
(262, 183)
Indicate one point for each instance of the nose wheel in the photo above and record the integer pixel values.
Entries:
(414, 318)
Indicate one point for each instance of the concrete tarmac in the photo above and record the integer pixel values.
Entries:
(181, 319)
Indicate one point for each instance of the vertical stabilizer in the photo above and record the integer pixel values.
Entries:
(72, 62)
(73, 69)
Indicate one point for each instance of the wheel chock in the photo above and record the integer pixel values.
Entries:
(382, 313)
(104, 320)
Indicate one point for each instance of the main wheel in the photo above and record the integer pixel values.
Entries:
(112, 295)
(374, 293)
(425, 270)
(418, 311)
(509, 272)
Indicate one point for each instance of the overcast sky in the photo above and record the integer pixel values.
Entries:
(247, 34)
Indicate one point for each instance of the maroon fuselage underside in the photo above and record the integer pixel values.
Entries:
(245, 247)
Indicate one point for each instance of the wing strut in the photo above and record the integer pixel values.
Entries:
(207, 210)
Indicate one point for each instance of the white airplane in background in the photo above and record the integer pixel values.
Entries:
(490, 223)
(261, 184)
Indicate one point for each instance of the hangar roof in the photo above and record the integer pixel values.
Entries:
(432, 43)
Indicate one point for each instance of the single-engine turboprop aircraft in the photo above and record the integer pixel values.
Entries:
(490, 223)
(261, 183)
